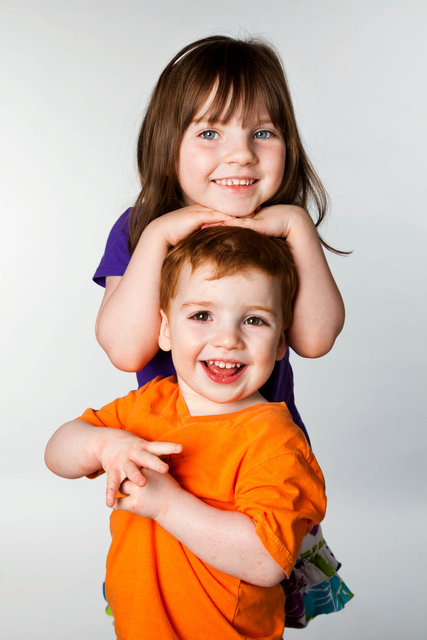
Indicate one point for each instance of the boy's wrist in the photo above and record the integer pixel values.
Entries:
(173, 499)
(100, 442)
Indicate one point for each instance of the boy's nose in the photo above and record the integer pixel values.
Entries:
(228, 338)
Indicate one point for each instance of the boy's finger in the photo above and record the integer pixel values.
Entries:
(118, 504)
(163, 448)
(134, 473)
(113, 483)
(125, 488)
(124, 503)
(151, 461)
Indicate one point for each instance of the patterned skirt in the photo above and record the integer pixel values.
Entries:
(314, 586)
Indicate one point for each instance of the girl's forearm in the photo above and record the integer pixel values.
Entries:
(128, 321)
(226, 540)
(318, 309)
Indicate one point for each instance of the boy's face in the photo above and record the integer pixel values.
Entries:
(225, 336)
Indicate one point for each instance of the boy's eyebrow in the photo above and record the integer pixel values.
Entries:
(270, 310)
(196, 303)
(251, 308)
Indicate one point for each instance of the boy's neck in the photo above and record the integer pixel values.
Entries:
(198, 405)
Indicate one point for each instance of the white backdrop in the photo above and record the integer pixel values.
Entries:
(75, 80)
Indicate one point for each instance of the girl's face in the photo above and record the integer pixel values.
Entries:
(231, 167)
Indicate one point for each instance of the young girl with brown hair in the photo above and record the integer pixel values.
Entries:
(219, 144)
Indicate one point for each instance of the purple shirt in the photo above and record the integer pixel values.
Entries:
(278, 388)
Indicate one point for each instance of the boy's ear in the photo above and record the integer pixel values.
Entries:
(164, 337)
(281, 347)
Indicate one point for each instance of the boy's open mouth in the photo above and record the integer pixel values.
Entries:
(223, 372)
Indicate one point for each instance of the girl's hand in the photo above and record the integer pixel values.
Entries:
(176, 225)
(272, 221)
(150, 500)
(124, 456)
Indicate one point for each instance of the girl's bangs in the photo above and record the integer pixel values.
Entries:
(233, 93)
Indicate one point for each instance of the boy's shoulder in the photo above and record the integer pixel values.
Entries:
(269, 431)
(158, 394)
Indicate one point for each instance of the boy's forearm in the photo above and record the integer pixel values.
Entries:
(226, 540)
(318, 309)
(72, 451)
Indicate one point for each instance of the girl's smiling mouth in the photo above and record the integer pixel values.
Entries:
(223, 372)
(235, 182)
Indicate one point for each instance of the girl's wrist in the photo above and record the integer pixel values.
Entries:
(300, 224)
(156, 231)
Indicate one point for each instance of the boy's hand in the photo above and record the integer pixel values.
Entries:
(150, 500)
(273, 221)
(124, 455)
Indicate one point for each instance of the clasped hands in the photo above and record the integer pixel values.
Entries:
(135, 470)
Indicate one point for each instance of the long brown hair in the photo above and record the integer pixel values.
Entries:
(244, 72)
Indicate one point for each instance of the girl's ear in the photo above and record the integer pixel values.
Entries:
(281, 347)
(164, 337)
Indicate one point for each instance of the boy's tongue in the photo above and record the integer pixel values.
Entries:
(222, 371)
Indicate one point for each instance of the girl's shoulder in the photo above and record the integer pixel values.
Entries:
(116, 254)
(121, 226)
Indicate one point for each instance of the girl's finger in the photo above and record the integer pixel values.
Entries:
(212, 224)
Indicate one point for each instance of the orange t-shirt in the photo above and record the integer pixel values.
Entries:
(255, 461)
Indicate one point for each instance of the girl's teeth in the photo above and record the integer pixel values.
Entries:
(234, 182)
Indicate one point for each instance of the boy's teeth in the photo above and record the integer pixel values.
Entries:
(234, 182)
(223, 365)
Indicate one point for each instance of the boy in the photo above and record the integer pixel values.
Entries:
(199, 552)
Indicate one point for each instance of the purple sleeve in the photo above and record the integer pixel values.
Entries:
(116, 255)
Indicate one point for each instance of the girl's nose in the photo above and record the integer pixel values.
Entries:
(240, 152)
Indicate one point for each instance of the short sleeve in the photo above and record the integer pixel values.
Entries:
(116, 255)
(285, 497)
(114, 415)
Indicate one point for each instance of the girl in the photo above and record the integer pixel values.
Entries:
(219, 145)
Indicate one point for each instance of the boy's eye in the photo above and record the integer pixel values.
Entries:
(209, 134)
(254, 321)
(263, 134)
(201, 316)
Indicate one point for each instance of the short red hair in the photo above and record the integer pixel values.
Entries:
(231, 250)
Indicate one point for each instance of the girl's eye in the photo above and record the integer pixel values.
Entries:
(201, 316)
(254, 321)
(209, 135)
(263, 134)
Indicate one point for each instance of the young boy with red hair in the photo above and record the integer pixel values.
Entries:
(202, 540)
